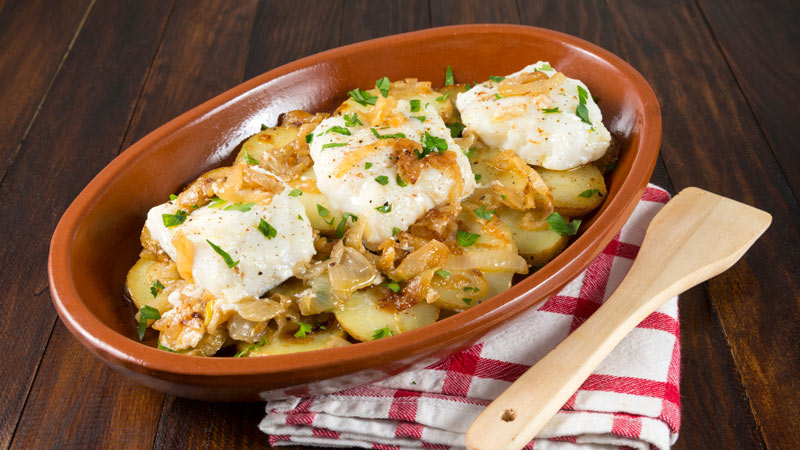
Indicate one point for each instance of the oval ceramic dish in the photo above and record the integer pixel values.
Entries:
(97, 239)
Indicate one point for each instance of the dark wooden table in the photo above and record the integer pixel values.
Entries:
(80, 80)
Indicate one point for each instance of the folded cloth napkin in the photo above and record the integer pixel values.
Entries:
(631, 401)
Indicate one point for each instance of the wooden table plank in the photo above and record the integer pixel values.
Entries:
(34, 37)
(760, 41)
(702, 339)
(454, 12)
(78, 130)
(711, 140)
(372, 19)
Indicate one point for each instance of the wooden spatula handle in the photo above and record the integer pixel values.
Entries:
(695, 237)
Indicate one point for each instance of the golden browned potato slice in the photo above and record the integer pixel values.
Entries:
(536, 246)
(575, 192)
(266, 140)
(464, 289)
(140, 279)
(362, 316)
(332, 336)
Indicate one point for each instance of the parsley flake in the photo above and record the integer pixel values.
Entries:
(545, 66)
(429, 144)
(173, 220)
(478, 177)
(420, 118)
(393, 286)
(414, 105)
(309, 137)
(367, 165)
(338, 129)
(395, 231)
(249, 159)
(466, 239)
(550, 110)
(251, 347)
(305, 328)
(146, 313)
(155, 288)
(385, 208)
(243, 207)
(483, 213)
(456, 129)
(498, 96)
(322, 211)
(590, 192)
(560, 226)
(340, 228)
(581, 111)
(228, 260)
(382, 333)
(383, 85)
(172, 197)
(362, 97)
(382, 180)
(264, 127)
(448, 77)
(496, 79)
(387, 136)
(333, 144)
(295, 193)
(166, 349)
(266, 229)
(442, 98)
(471, 289)
(467, 300)
(442, 273)
(215, 202)
(351, 120)
(400, 181)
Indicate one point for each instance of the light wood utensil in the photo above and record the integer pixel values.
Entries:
(696, 236)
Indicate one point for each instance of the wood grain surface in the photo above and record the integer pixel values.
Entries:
(81, 80)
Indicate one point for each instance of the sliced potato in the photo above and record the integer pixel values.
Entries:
(536, 246)
(331, 337)
(139, 281)
(463, 290)
(362, 315)
(266, 140)
(566, 187)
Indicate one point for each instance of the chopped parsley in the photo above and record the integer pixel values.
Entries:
(305, 328)
(467, 300)
(420, 118)
(383, 85)
(590, 192)
(215, 202)
(338, 129)
(550, 110)
(483, 213)
(448, 76)
(478, 177)
(367, 165)
(429, 144)
(466, 239)
(387, 136)
(228, 260)
(393, 286)
(295, 193)
(496, 79)
(166, 349)
(395, 231)
(309, 138)
(362, 97)
(400, 181)
(456, 129)
(385, 208)
(382, 333)
(173, 220)
(471, 289)
(264, 127)
(266, 229)
(251, 347)
(498, 96)
(146, 313)
(243, 207)
(299, 217)
(333, 144)
(249, 159)
(442, 98)
(172, 197)
(503, 196)
(322, 211)
(560, 226)
(470, 152)
(414, 105)
(442, 273)
(340, 228)
(382, 180)
(545, 66)
(581, 111)
(351, 120)
(155, 288)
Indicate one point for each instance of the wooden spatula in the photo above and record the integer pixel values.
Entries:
(696, 236)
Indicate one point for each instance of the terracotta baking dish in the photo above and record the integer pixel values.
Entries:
(97, 239)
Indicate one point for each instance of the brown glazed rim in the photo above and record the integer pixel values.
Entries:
(118, 349)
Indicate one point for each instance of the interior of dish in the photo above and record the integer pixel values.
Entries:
(405, 205)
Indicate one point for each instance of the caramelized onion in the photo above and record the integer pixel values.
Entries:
(350, 271)
(488, 260)
(431, 255)
(530, 84)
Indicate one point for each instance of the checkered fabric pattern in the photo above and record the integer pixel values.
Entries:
(631, 401)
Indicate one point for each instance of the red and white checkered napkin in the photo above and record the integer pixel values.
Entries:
(630, 401)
